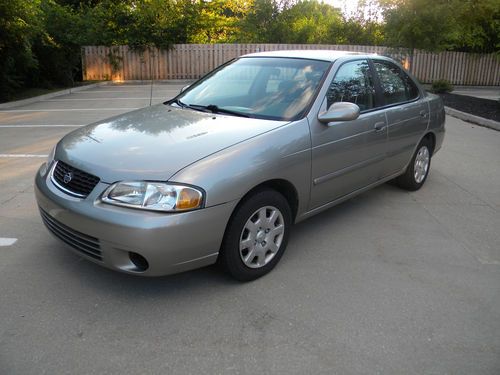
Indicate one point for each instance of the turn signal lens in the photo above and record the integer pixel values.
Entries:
(188, 199)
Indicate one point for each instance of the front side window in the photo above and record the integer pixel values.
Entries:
(262, 87)
(352, 83)
(397, 87)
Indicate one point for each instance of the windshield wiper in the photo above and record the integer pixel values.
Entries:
(215, 109)
(176, 101)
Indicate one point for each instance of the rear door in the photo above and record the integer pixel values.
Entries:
(348, 155)
(407, 114)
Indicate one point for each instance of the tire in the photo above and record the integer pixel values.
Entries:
(418, 169)
(256, 235)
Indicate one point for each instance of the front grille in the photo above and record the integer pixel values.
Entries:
(72, 180)
(85, 244)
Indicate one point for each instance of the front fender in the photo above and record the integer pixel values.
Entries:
(227, 175)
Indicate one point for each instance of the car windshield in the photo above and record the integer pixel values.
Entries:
(260, 87)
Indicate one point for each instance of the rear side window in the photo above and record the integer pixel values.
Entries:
(397, 86)
(352, 83)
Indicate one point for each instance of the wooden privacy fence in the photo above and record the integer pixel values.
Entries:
(191, 61)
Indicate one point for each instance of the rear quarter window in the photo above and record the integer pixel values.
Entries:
(397, 86)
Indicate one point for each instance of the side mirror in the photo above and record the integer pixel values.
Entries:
(185, 88)
(340, 111)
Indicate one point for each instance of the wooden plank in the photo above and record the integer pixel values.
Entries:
(183, 67)
(175, 61)
(455, 76)
(486, 69)
(168, 55)
(461, 70)
(494, 69)
(478, 70)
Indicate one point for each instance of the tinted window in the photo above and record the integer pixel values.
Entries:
(397, 87)
(352, 83)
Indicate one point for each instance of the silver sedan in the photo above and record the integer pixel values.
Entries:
(222, 172)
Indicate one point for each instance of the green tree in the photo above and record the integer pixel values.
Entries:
(478, 23)
(219, 21)
(161, 23)
(364, 26)
(58, 47)
(424, 24)
(311, 22)
(436, 25)
(261, 23)
(419, 24)
(19, 25)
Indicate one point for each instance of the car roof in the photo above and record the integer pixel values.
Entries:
(315, 54)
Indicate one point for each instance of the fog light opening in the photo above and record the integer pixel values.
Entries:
(139, 261)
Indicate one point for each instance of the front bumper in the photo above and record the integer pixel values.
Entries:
(170, 243)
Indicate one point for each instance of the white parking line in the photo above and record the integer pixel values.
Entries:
(65, 110)
(146, 84)
(23, 156)
(7, 241)
(40, 126)
(101, 99)
(126, 91)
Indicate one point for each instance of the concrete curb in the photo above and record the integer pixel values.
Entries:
(35, 99)
(473, 119)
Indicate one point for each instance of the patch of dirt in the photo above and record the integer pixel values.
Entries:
(486, 108)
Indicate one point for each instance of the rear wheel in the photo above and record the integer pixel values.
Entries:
(418, 169)
(256, 236)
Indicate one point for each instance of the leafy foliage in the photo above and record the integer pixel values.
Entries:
(19, 24)
(40, 40)
(441, 86)
(436, 25)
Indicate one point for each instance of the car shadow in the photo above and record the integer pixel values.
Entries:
(209, 278)
(351, 206)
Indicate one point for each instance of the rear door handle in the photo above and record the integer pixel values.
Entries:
(423, 113)
(379, 126)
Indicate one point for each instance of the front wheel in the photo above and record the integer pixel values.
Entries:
(418, 169)
(256, 236)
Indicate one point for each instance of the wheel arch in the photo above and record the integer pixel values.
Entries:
(282, 186)
(431, 137)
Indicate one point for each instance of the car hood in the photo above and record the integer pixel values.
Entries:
(154, 143)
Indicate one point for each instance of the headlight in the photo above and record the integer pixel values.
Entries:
(156, 196)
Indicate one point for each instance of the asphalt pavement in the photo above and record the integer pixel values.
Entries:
(390, 282)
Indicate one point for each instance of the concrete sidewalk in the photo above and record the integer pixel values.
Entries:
(483, 92)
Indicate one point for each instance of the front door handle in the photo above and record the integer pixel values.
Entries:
(379, 126)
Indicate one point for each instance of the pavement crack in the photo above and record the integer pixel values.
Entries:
(8, 200)
(459, 241)
(467, 191)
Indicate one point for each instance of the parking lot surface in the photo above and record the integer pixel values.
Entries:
(389, 282)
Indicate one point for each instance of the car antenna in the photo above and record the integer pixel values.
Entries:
(151, 77)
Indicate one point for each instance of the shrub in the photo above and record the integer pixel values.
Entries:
(441, 86)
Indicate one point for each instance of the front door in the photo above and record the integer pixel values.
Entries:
(348, 155)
